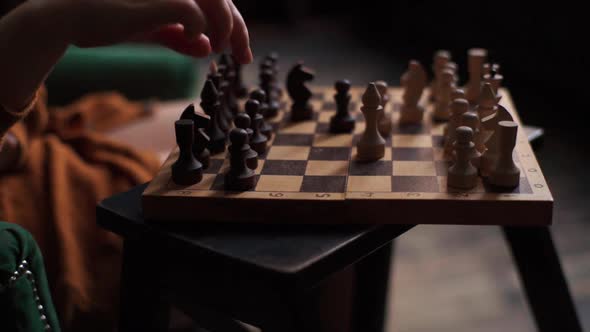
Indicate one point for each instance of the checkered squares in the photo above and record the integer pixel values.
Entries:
(304, 157)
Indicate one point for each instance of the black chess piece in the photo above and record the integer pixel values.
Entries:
(260, 96)
(342, 121)
(239, 88)
(301, 109)
(227, 69)
(266, 84)
(239, 177)
(225, 115)
(201, 139)
(186, 170)
(242, 121)
(200, 150)
(259, 140)
(211, 106)
(273, 58)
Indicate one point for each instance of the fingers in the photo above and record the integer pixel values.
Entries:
(164, 12)
(240, 40)
(220, 22)
(173, 37)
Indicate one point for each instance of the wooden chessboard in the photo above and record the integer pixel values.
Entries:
(309, 175)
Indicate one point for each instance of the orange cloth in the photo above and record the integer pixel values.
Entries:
(66, 170)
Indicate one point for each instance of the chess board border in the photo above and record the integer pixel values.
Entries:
(455, 207)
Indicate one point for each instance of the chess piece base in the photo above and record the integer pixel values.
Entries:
(505, 180)
(342, 125)
(187, 177)
(301, 113)
(370, 153)
(243, 182)
(462, 181)
(411, 115)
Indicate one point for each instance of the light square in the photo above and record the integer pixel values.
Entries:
(359, 128)
(412, 141)
(305, 127)
(369, 183)
(326, 167)
(288, 152)
(335, 140)
(414, 168)
(324, 117)
(438, 129)
(279, 183)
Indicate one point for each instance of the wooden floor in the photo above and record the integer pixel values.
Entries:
(453, 278)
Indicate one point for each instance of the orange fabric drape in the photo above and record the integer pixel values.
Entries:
(68, 166)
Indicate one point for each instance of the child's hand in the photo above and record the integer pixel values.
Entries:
(193, 27)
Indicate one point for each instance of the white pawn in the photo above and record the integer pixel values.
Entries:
(495, 80)
(458, 108)
(414, 82)
(371, 146)
(456, 94)
(471, 120)
(463, 174)
(476, 57)
(487, 104)
(446, 85)
(384, 123)
(441, 58)
(505, 173)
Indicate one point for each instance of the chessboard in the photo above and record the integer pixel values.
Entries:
(309, 175)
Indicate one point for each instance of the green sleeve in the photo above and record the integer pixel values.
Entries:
(25, 300)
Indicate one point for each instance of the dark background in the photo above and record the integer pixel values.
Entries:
(541, 47)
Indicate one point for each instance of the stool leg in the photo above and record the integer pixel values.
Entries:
(141, 307)
(543, 280)
(371, 288)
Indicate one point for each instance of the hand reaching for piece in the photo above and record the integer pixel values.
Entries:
(194, 27)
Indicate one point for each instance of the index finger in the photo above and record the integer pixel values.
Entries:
(240, 39)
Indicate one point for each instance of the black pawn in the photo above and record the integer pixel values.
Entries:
(273, 58)
(260, 96)
(240, 177)
(259, 140)
(200, 147)
(266, 84)
(342, 121)
(239, 88)
(228, 71)
(225, 116)
(187, 170)
(211, 106)
(242, 121)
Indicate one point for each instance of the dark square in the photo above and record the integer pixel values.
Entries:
(294, 139)
(417, 154)
(427, 184)
(442, 167)
(328, 106)
(380, 167)
(419, 129)
(438, 141)
(214, 166)
(329, 153)
(284, 167)
(388, 140)
(323, 184)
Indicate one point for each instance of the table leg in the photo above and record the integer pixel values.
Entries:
(543, 280)
(141, 306)
(371, 288)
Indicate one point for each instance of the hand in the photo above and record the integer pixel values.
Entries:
(9, 153)
(193, 27)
